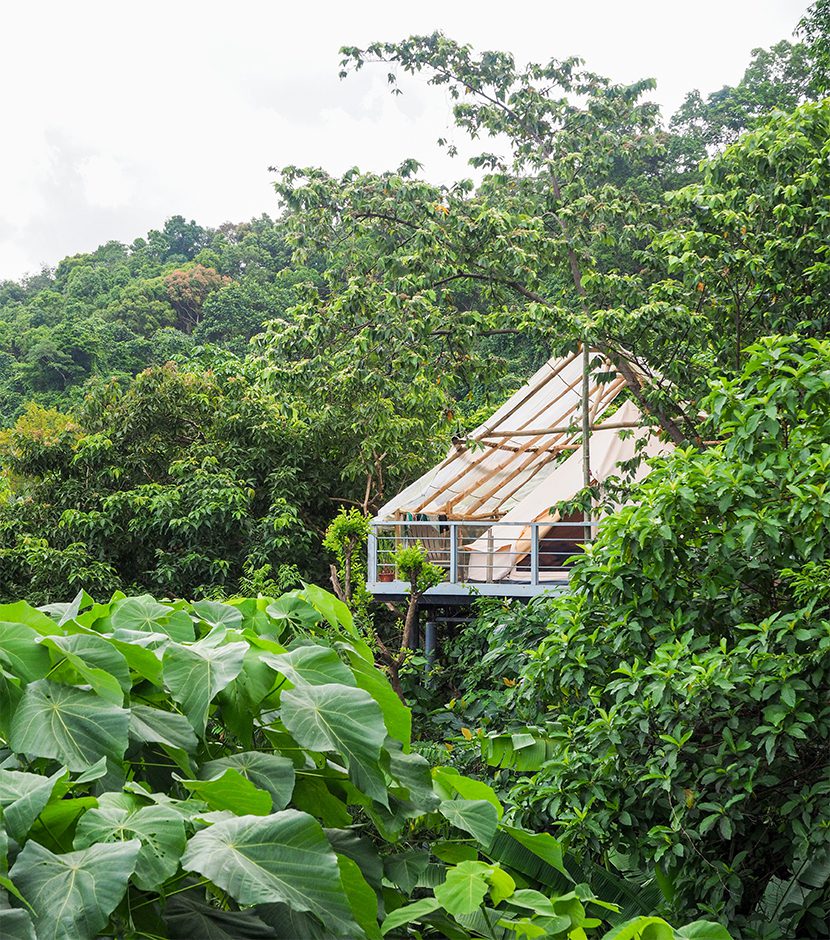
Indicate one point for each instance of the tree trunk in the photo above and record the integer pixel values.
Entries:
(410, 624)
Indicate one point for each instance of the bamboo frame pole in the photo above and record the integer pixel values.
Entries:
(565, 434)
(601, 402)
(466, 469)
(535, 432)
(523, 466)
(561, 365)
(484, 430)
(609, 394)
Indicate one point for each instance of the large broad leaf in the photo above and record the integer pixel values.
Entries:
(533, 900)
(159, 828)
(73, 895)
(313, 795)
(230, 790)
(74, 727)
(337, 614)
(405, 869)
(146, 615)
(409, 913)
(254, 617)
(99, 653)
(197, 672)
(333, 609)
(361, 851)
(464, 888)
(541, 844)
(292, 610)
(55, 826)
(188, 917)
(284, 857)
(288, 924)
(270, 772)
(397, 716)
(16, 924)
(362, 899)
(141, 660)
(702, 930)
(242, 700)
(313, 665)
(451, 782)
(22, 655)
(63, 613)
(74, 658)
(341, 719)
(478, 817)
(21, 612)
(642, 928)
(11, 691)
(412, 772)
(23, 797)
(153, 725)
(216, 614)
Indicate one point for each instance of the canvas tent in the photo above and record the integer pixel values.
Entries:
(525, 458)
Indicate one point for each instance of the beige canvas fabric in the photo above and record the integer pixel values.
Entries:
(511, 543)
(490, 475)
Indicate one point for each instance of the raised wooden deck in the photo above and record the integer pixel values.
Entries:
(510, 559)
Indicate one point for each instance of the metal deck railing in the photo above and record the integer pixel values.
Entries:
(475, 554)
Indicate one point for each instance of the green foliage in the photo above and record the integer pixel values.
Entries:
(681, 687)
(188, 289)
(346, 537)
(122, 308)
(242, 769)
(567, 237)
(777, 79)
(428, 272)
(413, 566)
(746, 258)
(235, 776)
(814, 26)
(349, 529)
(177, 482)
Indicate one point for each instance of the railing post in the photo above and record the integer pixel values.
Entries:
(534, 553)
(430, 642)
(453, 553)
(372, 560)
(490, 549)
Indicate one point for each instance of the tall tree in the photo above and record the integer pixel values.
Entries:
(777, 79)
(549, 238)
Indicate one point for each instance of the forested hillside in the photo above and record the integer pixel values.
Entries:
(328, 356)
(122, 308)
(196, 739)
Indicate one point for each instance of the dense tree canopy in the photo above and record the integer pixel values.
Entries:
(121, 308)
(177, 481)
(183, 416)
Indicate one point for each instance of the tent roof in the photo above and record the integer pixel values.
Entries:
(502, 462)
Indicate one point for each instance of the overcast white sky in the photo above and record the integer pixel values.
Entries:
(118, 115)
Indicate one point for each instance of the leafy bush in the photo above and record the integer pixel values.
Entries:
(683, 684)
(242, 770)
(178, 482)
(463, 693)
